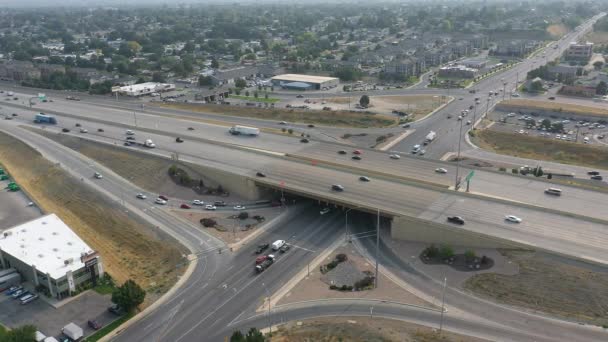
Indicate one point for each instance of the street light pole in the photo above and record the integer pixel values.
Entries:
(504, 89)
(456, 183)
(442, 305)
(377, 246)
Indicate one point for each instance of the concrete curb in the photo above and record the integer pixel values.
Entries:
(280, 293)
(395, 141)
(143, 314)
(304, 302)
(450, 100)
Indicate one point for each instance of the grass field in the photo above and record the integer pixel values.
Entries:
(334, 118)
(415, 105)
(362, 329)
(558, 107)
(96, 336)
(131, 249)
(564, 288)
(254, 99)
(519, 145)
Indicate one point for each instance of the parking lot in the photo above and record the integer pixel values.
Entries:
(14, 207)
(570, 129)
(49, 320)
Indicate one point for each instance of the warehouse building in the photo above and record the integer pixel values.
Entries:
(47, 253)
(304, 82)
(147, 88)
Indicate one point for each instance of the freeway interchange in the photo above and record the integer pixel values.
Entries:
(221, 292)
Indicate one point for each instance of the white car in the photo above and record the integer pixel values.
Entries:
(513, 218)
(198, 202)
(160, 201)
(141, 196)
(210, 207)
(130, 132)
(324, 211)
(395, 156)
(84, 130)
(239, 207)
(510, 115)
(98, 175)
(441, 170)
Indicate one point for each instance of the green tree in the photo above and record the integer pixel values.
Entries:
(215, 64)
(536, 86)
(129, 295)
(602, 88)
(538, 171)
(255, 94)
(240, 83)
(254, 335)
(205, 81)
(364, 101)
(158, 77)
(247, 93)
(266, 95)
(24, 333)
(598, 65)
(237, 336)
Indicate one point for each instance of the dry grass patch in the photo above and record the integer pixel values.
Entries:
(328, 118)
(598, 37)
(564, 288)
(362, 329)
(556, 106)
(557, 30)
(130, 247)
(536, 148)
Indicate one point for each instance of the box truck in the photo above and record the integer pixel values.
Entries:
(43, 118)
(244, 130)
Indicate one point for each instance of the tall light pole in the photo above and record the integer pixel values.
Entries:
(504, 89)
(377, 247)
(442, 305)
(456, 183)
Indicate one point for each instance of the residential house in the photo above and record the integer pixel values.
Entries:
(19, 71)
(228, 77)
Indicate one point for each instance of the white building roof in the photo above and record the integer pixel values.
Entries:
(47, 243)
(303, 78)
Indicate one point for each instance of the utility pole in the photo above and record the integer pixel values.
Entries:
(377, 246)
(504, 89)
(456, 182)
(442, 305)
(135, 118)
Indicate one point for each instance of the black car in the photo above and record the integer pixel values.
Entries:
(115, 309)
(311, 126)
(65, 130)
(130, 138)
(179, 140)
(284, 248)
(77, 125)
(364, 179)
(260, 174)
(471, 107)
(356, 157)
(456, 219)
(597, 177)
(94, 324)
(552, 98)
(593, 173)
(337, 187)
(219, 203)
(14, 114)
(190, 128)
(304, 140)
(300, 96)
(127, 143)
(100, 130)
(261, 248)
(341, 152)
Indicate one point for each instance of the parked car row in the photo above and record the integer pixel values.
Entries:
(24, 296)
(262, 262)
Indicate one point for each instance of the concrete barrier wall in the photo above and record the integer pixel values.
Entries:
(412, 229)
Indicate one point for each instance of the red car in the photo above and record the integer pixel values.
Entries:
(163, 197)
(94, 324)
(357, 151)
(260, 259)
(185, 206)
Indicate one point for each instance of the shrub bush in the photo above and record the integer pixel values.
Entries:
(243, 215)
(446, 252)
(208, 222)
(515, 171)
(333, 287)
(364, 283)
(502, 169)
(341, 257)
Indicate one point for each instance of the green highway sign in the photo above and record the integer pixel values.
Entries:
(469, 176)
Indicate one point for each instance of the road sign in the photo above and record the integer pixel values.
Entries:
(115, 89)
(41, 96)
(469, 176)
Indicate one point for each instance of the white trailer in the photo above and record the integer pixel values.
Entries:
(73, 331)
(430, 137)
(244, 130)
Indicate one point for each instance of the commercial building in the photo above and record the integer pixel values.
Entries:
(47, 253)
(579, 51)
(459, 71)
(147, 88)
(304, 82)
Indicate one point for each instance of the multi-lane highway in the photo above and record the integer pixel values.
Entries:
(223, 291)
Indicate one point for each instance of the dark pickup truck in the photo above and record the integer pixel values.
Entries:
(265, 264)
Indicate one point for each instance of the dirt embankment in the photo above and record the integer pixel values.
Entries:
(147, 171)
(536, 148)
(327, 118)
(565, 288)
(360, 329)
(130, 248)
